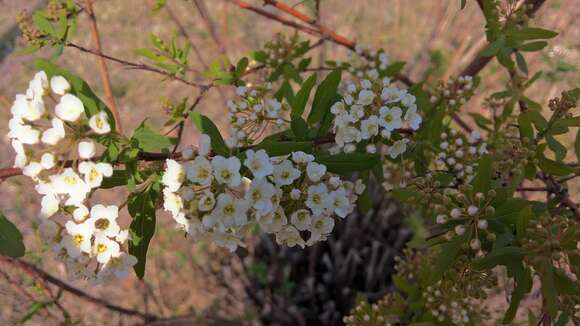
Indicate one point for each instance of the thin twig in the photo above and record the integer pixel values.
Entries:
(103, 65)
(137, 66)
(37, 272)
(210, 25)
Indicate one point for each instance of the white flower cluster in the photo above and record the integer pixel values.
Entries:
(90, 241)
(369, 114)
(367, 63)
(454, 92)
(254, 115)
(288, 196)
(459, 154)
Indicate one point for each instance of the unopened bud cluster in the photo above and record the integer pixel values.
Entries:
(366, 63)
(454, 92)
(464, 214)
(255, 115)
(459, 154)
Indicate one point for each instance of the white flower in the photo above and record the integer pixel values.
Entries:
(199, 171)
(390, 119)
(94, 173)
(59, 85)
(119, 265)
(398, 148)
(315, 171)
(260, 196)
(229, 212)
(204, 145)
(338, 108)
(78, 238)
(241, 90)
(105, 248)
(49, 205)
(227, 170)
(472, 210)
(87, 150)
(227, 240)
(359, 187)
(301, 157)
(20, 159)
(301, 219)
(474, 137)
(365, 97)
(340, 203)
(32, 170)
(274, 221)
(187, 153)
(455, 213)
(53, 135)
(69, 108)
(259, 163)
(369, 127)
(173, 176)
(68, 182)
(81, 213)
(318, 200)
(99, 123)
(104, 220)
(27, 108)
(290, 236)
(285, 173)
(24, 133)
(38, 85)
(391, 94)
(319, 228)
(413, 118)
(365, 83)
(47, 161)
(172, 202)
(206, 201)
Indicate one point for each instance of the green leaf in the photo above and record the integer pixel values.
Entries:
(393, 69)
(79, 87)
(525, 126)
(279, 148)
(521, 62)
(533, 46)
(142, 209)
(509, 211)
(564, 284)
(549, 292)
(347, 163)
(11, 244)
(299, 127)
(150, 141)
(286, 92)
(482, 180)
(446, 258)
(523, 286)
(301, 98)
(493, 48)
(119, 178)
(554, 167)
(325, 94)
(43, 24)
(206, 126)
(62, 25)
(530, 33)
(558, 149)
(242, 66)
(501, 256)
(568, 122)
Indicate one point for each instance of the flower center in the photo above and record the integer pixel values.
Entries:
(78, 239)
(101, 247)
(102, 223)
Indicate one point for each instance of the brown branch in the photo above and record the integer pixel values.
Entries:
(103, 65)
(244, 5)
(554, 187)
(36, 272)
(137, 66)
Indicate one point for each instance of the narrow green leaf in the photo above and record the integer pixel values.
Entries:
(493, 48)
(142, 209)
(323, 97)
(525, 126)
(119, 178)
(347, 163)
(533, 46)
(279, 148)
(393, 69)
(206, 126)
(482, 180)
(558, 149)
(523, 286)
(549, 292)
(299, 127)
(11, 244)
(446, 258)
(501, 256)
(43, 24)
(301, 98)
(242, 66)
(554, 167)
(521, 62)
(530, 33)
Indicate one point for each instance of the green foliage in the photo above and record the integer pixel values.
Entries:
(167, 55)
(11, 244)
(147, 140)
(142, 208)
(206, 126)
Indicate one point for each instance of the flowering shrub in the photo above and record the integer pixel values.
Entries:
(295, 164)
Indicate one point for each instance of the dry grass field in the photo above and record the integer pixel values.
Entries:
(181, 278)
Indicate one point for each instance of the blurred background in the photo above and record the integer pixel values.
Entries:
(264, 282)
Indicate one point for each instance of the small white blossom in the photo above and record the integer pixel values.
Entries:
(69, 108)
(99, 123)
(59, 85)
(259, 163)
(87, 149)
(227, 170)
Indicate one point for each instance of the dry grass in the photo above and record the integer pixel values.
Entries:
(177, 281)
